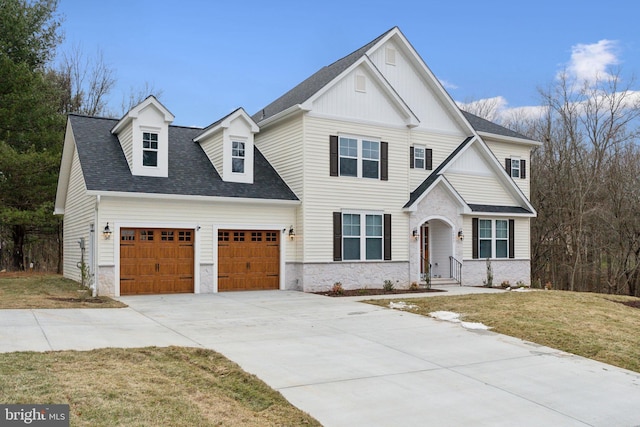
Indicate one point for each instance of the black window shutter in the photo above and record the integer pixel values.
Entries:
(337, 236)
(387, 237)
(507, 166)
(474, 238)
(384, 161)
(523, 169)
(333, 153)
(411, 157)
(512, 233)
(428, 163)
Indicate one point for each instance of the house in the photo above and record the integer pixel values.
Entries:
(366, 171)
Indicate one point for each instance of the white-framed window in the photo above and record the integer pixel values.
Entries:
(419, 157)
(362, 236)
(150, 149)
(237, 156)
(515, 168)
(359, 157)
(493, 238)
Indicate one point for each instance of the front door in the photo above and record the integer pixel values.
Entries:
(424, 249)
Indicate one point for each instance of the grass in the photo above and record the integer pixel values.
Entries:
(172, 386)
(47, 291)
(595, 326)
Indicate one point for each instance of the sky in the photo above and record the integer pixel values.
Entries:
(206, 58)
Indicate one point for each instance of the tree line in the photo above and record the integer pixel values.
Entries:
(36, 94)
(585, 183)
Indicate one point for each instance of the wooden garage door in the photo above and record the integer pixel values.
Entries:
(156, 261)
(248, 260)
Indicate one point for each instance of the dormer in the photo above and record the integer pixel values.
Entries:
(144, 136)
(229, 145)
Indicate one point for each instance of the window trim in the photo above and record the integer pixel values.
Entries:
(363, 237)
(360, 159)
(416, 157)
(522, 167)
(242, 157)
(151, 149)
(477, 239)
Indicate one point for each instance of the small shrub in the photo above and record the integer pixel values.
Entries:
(413, 286)
(337, 288)
(521, 284)
(489, 281)
(548, 286)
(505, 284)
(388, 285)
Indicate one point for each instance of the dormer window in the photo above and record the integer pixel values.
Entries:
(149, 149)
(237, 157)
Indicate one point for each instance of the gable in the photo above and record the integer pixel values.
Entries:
(414, 83)
(360, 95)
(475, 178)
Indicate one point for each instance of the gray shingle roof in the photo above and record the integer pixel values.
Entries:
(313, 84)
(105, 167)
(499, 209)
(483, 125)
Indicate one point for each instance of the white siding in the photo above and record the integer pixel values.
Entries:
(441, 144)
(415, 90)
(503, 150)
(126, 141)
(79, 213)
(283, 146)
(213, 149)
(482, 190)
(324, 194)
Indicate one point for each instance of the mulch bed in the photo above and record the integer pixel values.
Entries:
(367, 292)
(634, 304)
(79, 300)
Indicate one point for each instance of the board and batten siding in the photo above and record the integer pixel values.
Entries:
(213, 148)
(152, 212)
(503, 150)
(522, 236)
(326, 194)
(79, 214)
(415, 90)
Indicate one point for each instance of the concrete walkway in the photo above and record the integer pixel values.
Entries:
(352, 364)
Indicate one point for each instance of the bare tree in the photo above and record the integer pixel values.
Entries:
(136, 96)
(86, 81)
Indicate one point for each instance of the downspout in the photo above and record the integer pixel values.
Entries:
(94, 261)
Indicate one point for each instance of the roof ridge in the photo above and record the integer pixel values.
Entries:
(312, 84)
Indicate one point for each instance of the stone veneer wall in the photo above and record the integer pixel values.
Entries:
(206, 278)
(106, 281)
(474, 271)
(317, 277)
(293, 276)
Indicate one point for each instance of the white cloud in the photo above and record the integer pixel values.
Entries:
(497, 110)
(448, 85)
(591, 61)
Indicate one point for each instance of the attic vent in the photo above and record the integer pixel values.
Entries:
(390, 56)
(361, 83)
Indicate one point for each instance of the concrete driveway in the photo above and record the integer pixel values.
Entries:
(352, 364)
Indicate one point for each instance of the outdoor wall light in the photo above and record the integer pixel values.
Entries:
(106, 233)
(460, 235)
(415, 234)
(292, 233)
